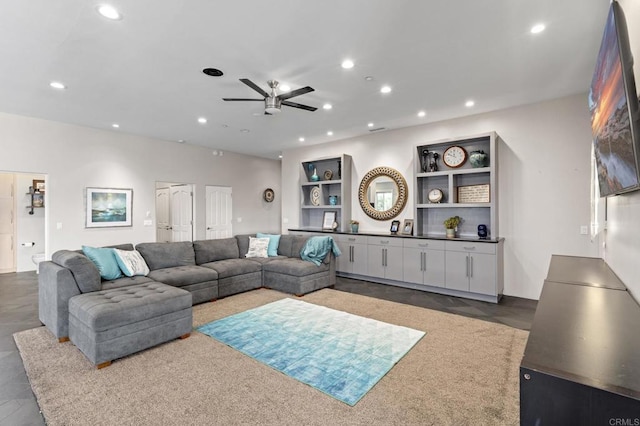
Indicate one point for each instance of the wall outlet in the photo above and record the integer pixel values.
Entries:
(59, 225)
(584, 230)
(148, 222)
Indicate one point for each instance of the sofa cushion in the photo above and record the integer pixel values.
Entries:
(109, 309)
(230, 267)
(295, 267)
(263, 260)
(83, 270)
(131, 262)
(274, 240)
(125, 282)
(180, 276)
(212, 250)
(291, 245)
(167, 255)
(105, 260)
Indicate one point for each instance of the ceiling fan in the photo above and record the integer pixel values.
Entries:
(273, 101)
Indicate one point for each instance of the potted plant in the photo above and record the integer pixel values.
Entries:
(354, 226)
(451, 224)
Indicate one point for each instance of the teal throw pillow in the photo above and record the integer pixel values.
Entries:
(105, 260)
(274, 242)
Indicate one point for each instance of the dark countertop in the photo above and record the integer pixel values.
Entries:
(388, 234)
(589, 271)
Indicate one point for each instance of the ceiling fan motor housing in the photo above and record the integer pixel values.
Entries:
(272, 105)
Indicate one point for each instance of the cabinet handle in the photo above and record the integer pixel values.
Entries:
(352, 239)
(384, 242)
(424, 261)
(385, 258)
(469, 248)
(467, 265)
(353, 253)
(471, 273)
(423, 245)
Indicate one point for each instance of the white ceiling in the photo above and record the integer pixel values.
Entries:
(144, 72)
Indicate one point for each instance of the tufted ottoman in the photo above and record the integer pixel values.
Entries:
(111, 324)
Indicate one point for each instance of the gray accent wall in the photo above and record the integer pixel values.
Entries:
(544, 180)
(74, 157)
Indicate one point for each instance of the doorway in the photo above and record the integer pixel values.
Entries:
(174, 212)
(22, 221)
(219, 212)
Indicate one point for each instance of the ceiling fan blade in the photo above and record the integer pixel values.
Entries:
(254, 87)
(242, 99)
(296, 92)
(295, 105)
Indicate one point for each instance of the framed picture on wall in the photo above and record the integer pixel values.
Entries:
(395, 225)
(108, 207)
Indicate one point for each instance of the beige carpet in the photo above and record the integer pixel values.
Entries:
(464, 371)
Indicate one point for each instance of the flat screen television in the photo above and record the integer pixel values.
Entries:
(614, 106)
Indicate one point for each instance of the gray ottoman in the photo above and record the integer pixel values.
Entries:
(110, 324)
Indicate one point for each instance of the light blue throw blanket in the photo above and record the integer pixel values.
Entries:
(317, 248)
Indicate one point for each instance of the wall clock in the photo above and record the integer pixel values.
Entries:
(435, 195)
(454, 156)
(269, 195)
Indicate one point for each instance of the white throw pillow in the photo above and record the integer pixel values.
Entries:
(258, 247)
(131, 262)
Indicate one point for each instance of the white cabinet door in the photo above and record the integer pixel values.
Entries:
(413, 264)
(393, 263)
(482, 273)
(434, 267)
(375, 262)
(359, 259)
(457, 273)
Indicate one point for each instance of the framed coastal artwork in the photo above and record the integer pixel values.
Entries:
(108, 207)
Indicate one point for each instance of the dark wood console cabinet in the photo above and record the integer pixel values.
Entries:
(581, 365)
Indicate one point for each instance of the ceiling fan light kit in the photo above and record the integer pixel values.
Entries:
(272, 101)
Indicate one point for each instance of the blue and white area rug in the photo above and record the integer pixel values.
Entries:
(340, 354)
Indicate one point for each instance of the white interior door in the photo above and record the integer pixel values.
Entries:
(181, 200)
(7, 223)
(163, 223)
(219, 212)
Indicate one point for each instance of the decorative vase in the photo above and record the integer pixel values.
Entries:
(354, 228)
(451, 233)
(478, 159)
(314, 176)
(333, 200)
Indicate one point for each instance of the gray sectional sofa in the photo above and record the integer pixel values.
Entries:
(207, 269)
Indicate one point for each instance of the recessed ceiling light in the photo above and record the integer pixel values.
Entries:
(109, 12)
(368, 78)
(327, 106)
(469, 103)
(284, 88)
(244, 130)
(280, 156)
(347, 64)
(213, 72)
(538, 28)
(370, 125)
(202, 120)
(385, 89)
(329, 133)
(181, 141)
(421, 114)
(301, 139)
(57, 85)
(115, 125)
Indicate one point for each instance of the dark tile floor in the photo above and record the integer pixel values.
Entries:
(19, 311)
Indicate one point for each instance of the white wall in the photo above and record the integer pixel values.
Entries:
(622, 249)
(544, 175)
(75, 157)
(30, 228)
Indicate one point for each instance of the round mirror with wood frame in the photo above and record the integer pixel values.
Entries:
(399, 197)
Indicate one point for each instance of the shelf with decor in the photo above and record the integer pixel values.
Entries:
(325, 185)
(36, 199)
(457, 177)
